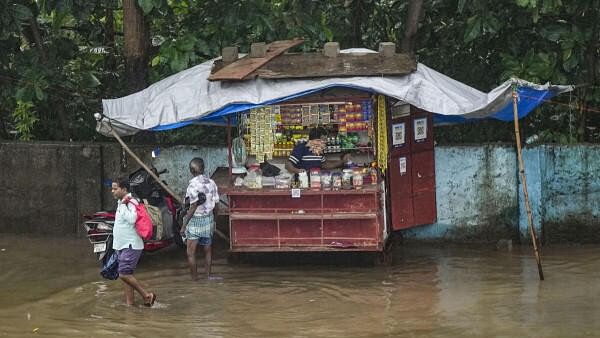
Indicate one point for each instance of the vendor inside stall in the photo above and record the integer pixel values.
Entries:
(308, 155)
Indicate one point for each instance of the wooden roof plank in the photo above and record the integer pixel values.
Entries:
(245, 66)
(318, 65)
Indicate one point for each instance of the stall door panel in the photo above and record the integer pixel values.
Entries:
(424, 208)
(423, 169)
(423, 179)
(401, 202)
(399, 173)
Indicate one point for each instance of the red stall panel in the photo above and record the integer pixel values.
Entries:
(411, 175)
(400, 187)
(270, 220)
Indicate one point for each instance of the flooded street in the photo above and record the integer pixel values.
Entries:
(51, 287)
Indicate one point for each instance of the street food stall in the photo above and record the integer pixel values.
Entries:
(378, 107)
(318, 210)
(339, 209)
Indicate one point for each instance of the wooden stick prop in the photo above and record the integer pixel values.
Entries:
(229, 154)
(515, 96)
(164, 186)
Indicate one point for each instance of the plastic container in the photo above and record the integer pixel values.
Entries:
(336, 181)
(326, 180)
(347, 178)
(315, 178)
(282, 182)
(357, 179)
(303, 179)
(254, 178)
(268, 181)
(374, 175)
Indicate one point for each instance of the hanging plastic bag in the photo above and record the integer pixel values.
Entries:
(110, 266)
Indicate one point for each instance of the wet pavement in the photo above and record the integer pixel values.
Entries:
(50, 287)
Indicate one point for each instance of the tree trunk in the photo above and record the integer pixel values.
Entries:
(109, 31)
(591, 61)
(357, 19)
(110, 62)
(415, 8)
(136, 46)
(35, 36)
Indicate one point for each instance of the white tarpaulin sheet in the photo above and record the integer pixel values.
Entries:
(188, 97)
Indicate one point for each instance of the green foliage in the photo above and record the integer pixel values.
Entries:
(24, 118)
(148, 5)
(481, 43)
(177, 54)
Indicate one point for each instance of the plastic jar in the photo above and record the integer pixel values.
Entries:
(347, 178)
(303, 178)
(357, 179)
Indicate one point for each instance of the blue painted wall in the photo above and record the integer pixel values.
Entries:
(479, 193)
(176, 159)
(476, 194)
(480, 196)
(566, 180)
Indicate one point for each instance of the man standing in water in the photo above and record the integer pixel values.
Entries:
(127, 242)
(199, 222)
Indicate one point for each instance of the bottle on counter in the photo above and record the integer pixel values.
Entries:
(357, 179)
(374, 175)
(326, 180)
(336, 181)
(303, 179)
(315, 178)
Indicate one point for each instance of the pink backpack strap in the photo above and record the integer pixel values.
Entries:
(134, 201)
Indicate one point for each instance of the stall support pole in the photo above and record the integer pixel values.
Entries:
(515, 96)
(164, 186)
(229, 156)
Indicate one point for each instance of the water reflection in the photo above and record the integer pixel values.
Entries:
(52, 286)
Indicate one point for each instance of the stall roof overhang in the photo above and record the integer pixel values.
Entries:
(189, 98)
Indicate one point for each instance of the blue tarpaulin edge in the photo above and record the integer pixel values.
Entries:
(529, 99)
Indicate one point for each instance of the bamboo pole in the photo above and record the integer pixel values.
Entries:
(163, 185)
(229, 153)
(524, 180)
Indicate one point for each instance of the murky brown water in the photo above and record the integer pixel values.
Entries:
(51, 287)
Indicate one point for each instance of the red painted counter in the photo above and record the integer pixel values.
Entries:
(265, 220)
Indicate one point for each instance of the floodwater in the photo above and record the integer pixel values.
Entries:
(50, 287)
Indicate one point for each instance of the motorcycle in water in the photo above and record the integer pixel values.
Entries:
(99, 226)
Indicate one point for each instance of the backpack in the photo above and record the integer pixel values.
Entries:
(156, 217)
(143, 222)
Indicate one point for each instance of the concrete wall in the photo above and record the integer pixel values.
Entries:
(476, 195)
(564, 188)
(46, 187)
(479, 194)
(176, 160)
(49, 186)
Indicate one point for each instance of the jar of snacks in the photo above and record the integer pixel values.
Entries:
(326, 180)
(336, 181)
(347, 178)
(357, 179)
